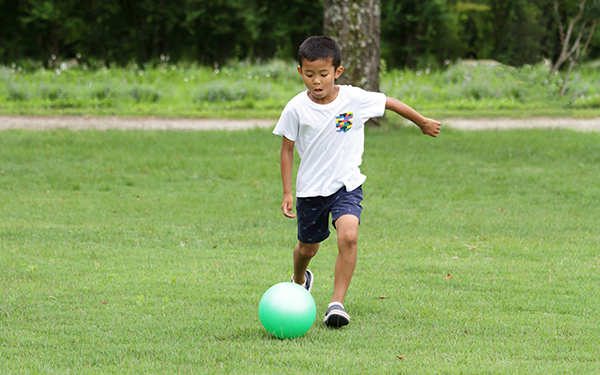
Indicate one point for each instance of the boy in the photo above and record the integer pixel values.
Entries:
(326, 125)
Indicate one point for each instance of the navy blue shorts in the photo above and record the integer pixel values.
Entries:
(313, 213)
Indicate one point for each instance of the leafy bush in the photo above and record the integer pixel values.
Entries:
(489, 86)
(147, 94)
(103, 92)
(53, 92)
(262, 89)
(16, 93)
(225, 92)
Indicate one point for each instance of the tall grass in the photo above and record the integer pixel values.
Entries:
(464, 88)
(164, 89)
(242, 89)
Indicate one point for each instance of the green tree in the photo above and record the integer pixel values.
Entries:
(205, 31)
(474, 29)
(14, 38)
(517, 31)
(415, 33)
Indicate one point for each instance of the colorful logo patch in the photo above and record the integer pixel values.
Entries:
(343, 122)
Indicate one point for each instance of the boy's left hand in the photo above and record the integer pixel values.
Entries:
(431, 127)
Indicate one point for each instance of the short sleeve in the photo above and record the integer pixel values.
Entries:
(372, 104)
(287, 125)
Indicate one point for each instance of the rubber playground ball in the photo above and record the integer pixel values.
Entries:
(287, 310)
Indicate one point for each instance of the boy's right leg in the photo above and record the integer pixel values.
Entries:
(303, 253)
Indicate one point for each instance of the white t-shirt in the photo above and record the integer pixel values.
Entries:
(329, 138)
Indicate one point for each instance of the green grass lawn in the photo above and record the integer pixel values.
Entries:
(261, 90)
(148, 252)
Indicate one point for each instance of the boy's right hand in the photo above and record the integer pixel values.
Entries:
(288, 205)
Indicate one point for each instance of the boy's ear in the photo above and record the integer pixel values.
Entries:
(339, 71)
(300, 70)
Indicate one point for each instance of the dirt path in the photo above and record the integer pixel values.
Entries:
(126, 123)
(530, 123)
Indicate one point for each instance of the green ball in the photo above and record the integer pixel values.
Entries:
(287, 310)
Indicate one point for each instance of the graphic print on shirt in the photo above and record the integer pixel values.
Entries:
(343, 122)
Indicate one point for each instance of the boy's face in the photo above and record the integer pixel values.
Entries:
(319, 77)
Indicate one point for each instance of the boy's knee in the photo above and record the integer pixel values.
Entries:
(348, 237)
(307, 250)
(347, 230)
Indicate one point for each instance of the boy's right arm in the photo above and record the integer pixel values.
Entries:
(287, 164)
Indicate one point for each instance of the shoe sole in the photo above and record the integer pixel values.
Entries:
(336, 319)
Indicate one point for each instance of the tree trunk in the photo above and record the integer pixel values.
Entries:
(578, 53)
(578, 28)
(564, 87)
(355, 25)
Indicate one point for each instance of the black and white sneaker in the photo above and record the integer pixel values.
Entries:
(308, 282)
(336, 316)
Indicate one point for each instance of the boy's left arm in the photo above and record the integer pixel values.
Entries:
(428, 126)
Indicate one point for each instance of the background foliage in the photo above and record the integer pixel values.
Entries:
(121, 31)
(261, 90)
(414, 33)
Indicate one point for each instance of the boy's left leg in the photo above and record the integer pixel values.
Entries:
(345, 211)
(347, 239)
(347, 228)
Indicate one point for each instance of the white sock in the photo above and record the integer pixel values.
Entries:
(335, 303)
(305, 281)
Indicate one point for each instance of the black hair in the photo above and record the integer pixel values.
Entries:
(320, 47)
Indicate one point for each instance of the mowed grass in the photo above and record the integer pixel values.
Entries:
(148, 252)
